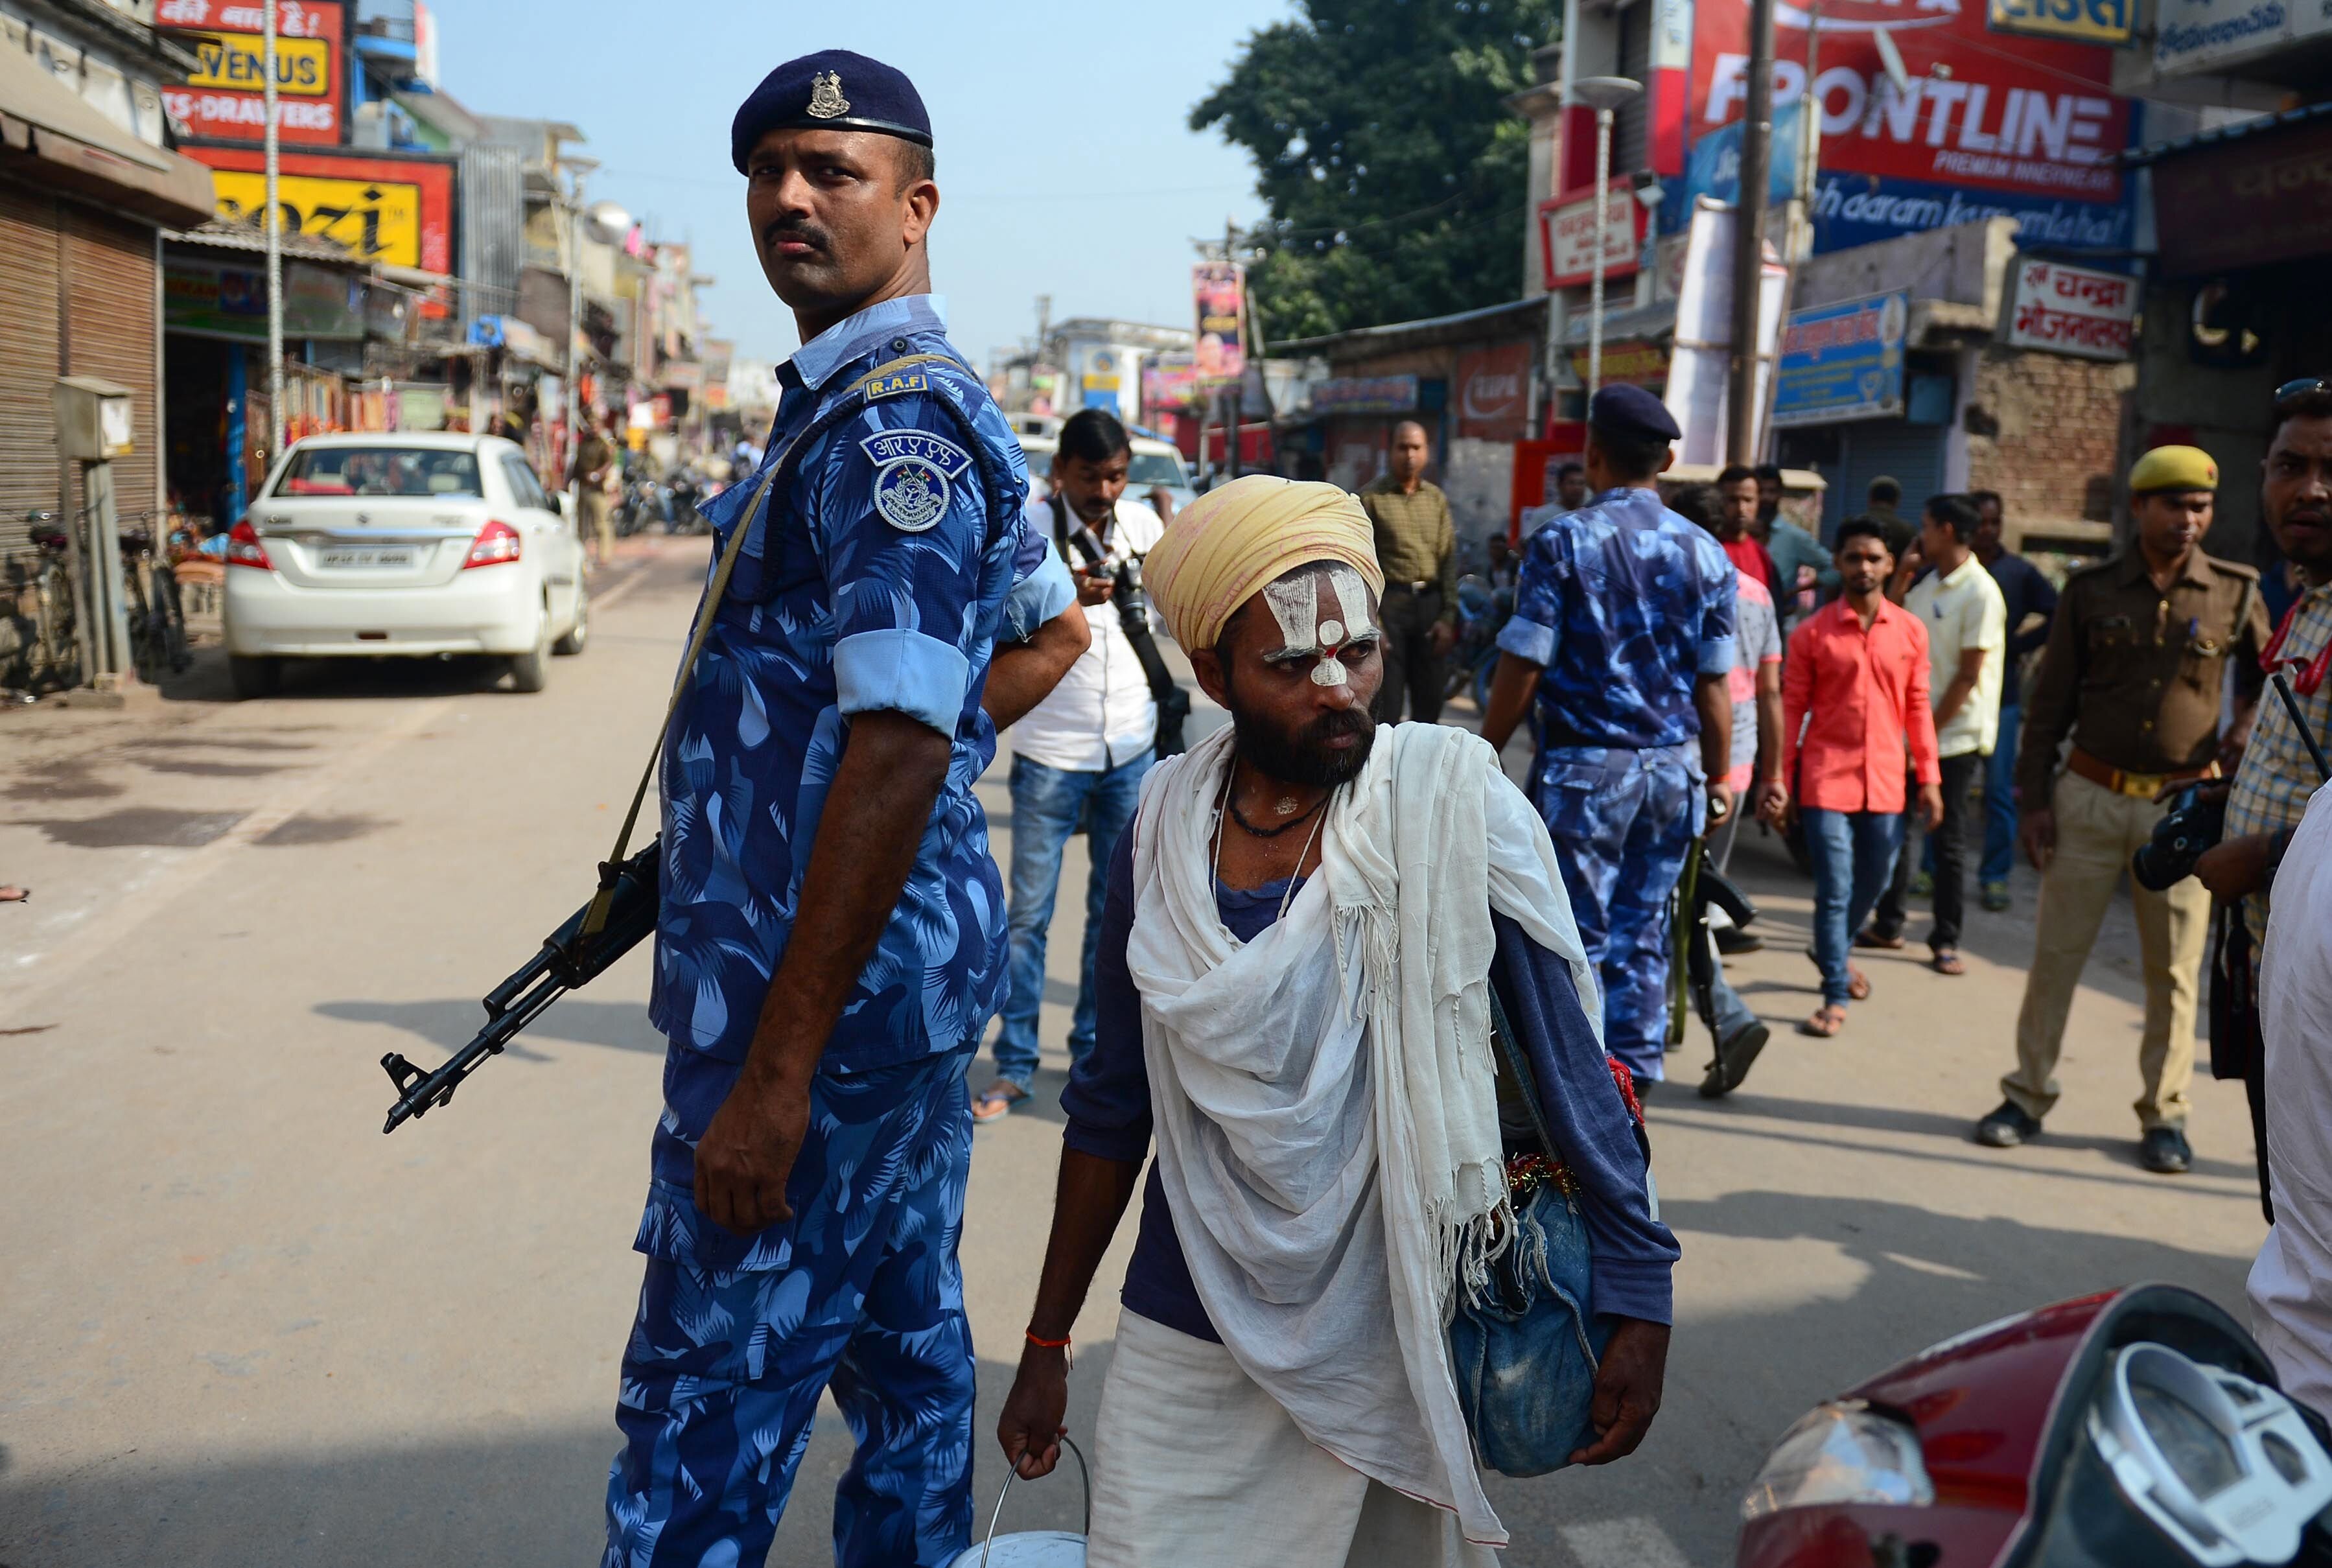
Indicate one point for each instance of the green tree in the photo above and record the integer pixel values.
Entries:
(1394, 174)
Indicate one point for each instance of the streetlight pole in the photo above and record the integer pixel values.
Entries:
(1603, 94)
(577, 169)
(275, 228)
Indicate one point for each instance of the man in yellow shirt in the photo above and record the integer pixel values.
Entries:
(1418, 548)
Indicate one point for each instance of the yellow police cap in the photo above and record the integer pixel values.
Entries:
(2175, 468)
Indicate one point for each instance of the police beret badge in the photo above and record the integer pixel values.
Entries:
(914, 472)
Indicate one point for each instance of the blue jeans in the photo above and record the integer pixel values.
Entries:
(1047, 805)
(2000, 800)
(1853, 853)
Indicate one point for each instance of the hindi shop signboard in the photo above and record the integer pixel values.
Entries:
(1570, 236)
(223, 100)
(1218, 292)
(398, 211)
(1842, 361)
(2107, 22)
(2072, 310)
(1365, 395)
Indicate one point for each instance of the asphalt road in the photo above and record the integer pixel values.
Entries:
(244, 1329)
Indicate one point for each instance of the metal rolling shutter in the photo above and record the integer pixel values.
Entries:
(110, 283)
(28, 358)
(1911, 454)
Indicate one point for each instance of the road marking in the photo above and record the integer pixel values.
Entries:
(142, 902)
(638, 576)
(1632, 1542)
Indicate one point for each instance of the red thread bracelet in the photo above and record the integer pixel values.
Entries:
(1061, 1343)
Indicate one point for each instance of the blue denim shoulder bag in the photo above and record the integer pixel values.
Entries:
(1525, 1348)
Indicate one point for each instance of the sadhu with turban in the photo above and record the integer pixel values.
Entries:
(1296, 953)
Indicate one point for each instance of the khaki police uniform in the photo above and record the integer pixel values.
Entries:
(2133, 676)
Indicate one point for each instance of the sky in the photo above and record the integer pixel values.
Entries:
(1066, 166)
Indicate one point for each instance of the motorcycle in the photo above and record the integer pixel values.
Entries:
(1482, 613)
(2140, 1428)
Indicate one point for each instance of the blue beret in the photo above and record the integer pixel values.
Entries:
(1625, 410)
(833, 90)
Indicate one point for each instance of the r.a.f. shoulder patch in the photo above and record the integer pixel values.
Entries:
(913, 472)
(896, 382)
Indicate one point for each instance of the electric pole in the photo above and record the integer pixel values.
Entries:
(1741, 401)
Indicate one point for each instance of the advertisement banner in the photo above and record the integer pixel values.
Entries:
(1842, 361)
(399, 211)
(1218, 289)
(1365, 395)
(2072, 310)
(2107, 22)
(1169, 381)
(1984, 125)
(1570, 236)
(2192, 36)
(1637, 361)
(1494, 392)
(209, 299)
(222, 99)
(2248, 202)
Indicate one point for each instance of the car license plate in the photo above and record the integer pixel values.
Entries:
(362, 558)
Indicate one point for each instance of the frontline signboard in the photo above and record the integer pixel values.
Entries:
(1985, 126)
(223, 100)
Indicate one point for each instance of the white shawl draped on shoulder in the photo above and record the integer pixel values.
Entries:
(1326, 1117)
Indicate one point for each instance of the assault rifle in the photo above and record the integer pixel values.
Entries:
(569, 960)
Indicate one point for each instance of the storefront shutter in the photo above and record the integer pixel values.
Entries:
(29, 471)
(1912, 454)
(110, 284)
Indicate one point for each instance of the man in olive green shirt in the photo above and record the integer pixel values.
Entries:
(1418, 549)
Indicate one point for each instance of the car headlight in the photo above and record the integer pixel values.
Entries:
(1840, 1453)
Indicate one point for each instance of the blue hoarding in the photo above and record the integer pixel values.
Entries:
(1842, 361)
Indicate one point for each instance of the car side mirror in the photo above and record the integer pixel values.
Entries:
(558, 502)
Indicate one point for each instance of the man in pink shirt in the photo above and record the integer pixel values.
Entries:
(1858, 668)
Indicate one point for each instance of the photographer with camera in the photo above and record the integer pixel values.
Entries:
(2279, 771)
(1079, 756)
(2132, 673)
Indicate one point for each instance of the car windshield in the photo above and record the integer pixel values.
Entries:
(1156, 468)
(421, 472)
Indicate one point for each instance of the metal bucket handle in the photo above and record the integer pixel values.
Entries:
(1012, 1471)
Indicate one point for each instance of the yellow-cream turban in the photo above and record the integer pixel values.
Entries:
(1223, 546)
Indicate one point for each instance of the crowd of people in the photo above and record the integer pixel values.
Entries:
(1338, 1014)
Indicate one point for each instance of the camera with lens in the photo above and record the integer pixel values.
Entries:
(2195, 822)
(1132, 603)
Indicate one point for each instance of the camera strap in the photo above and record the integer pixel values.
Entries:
(594, 918)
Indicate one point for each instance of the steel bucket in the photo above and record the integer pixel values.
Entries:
(1032, 1548)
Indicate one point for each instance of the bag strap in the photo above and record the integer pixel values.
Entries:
(595, 917)
(1503, 1031)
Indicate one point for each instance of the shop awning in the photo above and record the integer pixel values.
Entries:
(50, 135)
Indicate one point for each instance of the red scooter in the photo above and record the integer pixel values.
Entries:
(2138, 1428)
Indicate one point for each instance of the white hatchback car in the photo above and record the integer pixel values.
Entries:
(403, 545)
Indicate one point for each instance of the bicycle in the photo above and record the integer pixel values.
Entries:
(157, 623)
(56, 644)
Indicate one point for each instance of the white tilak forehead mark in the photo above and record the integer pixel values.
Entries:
(1352, 594)
(1296, 606)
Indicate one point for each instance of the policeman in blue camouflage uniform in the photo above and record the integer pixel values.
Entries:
(1619, 645)
(831, 941)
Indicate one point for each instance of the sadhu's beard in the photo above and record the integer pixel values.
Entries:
(1302, 756)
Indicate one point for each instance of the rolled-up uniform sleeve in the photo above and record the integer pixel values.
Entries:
(902, 528)
(1719, 610)
(1044, 593)
(1108, 1096)
(1534, 631)
(1596, 1135)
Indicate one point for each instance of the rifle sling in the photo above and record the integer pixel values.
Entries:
(595, 919)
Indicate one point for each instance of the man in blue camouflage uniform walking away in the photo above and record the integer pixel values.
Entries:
(831, 940)
(1619, 646)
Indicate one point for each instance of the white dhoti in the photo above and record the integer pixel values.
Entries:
(1195, 1467)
